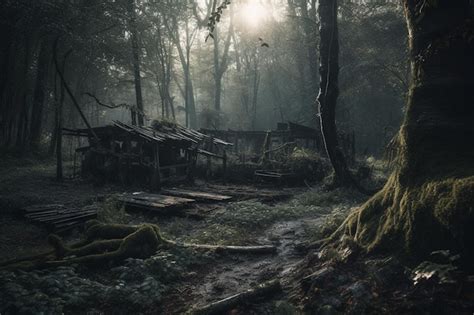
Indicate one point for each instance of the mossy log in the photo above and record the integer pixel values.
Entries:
(264, 290)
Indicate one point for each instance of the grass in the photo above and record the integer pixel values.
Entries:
(240, 223)
(112, 211)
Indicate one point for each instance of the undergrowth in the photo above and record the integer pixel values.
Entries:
(112, 211)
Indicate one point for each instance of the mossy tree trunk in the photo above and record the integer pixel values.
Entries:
(427, 203)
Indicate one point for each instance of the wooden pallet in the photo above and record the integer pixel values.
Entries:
(154, 202)
(59, 218)
(196, 195)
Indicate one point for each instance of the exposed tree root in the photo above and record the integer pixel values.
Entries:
(264, 290)
(416, 219)
(108, 243)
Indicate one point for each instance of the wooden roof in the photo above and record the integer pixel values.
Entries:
(160, 132)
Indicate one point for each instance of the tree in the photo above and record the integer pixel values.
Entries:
(136, 59)
(221, 62)
(427, 203)
(329, 91)
(184, 54)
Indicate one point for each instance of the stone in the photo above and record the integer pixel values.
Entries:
(359, 290)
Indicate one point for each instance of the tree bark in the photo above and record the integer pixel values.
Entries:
(136, 60)
(220, 63)
(184, 57)
(427, 204)
(311, 43)
(329, 90)
(39, 94)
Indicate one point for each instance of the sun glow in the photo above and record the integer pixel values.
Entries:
(253, 14)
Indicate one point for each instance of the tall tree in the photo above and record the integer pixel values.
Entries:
(427, 204)
(329, 90)
(221, 62)
(136, 59)
(184, 54)
(43, 65)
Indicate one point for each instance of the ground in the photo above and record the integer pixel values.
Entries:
(178, 280)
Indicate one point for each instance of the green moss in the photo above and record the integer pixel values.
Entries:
(417, 220)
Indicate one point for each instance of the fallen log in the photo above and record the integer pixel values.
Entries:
(265, 290)
(220, 249)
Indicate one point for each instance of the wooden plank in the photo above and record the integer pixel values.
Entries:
(82, 217)
(155, 203)
(210, 154)
(38, 208)
(198, 195)
(64, 217)
(55, 215)
(164, 199)
(48, 213)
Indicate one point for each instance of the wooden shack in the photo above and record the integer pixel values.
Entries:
(131, 154)
(250, 145)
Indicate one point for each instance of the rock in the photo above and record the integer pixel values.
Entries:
(284, 308)
(321, 278)
(327, 310)
(358, 290)
(331, 301)
(386, 271)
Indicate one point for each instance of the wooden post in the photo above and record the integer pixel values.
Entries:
(156, 178)
(192, 164)
(224, 162)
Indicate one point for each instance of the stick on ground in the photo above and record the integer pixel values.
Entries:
(265, 290)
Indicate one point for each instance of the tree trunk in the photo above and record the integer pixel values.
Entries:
(220, 63)
(329, 91)
(59, 132)
(39, 94)
(218, 94)
(136, 60)
(427, 204)
(311, 44)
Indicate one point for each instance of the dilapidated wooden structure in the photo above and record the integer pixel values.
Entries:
(152, 155)
(250, 145)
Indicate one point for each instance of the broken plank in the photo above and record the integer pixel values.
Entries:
(198, 195)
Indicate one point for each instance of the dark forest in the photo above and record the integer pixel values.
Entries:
(237, 157)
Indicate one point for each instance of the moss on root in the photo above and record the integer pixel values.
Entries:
(415, 220)
(104, 243)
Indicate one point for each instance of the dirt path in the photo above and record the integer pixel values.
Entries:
(233, 274)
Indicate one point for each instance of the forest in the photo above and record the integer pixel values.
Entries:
(236, 157)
